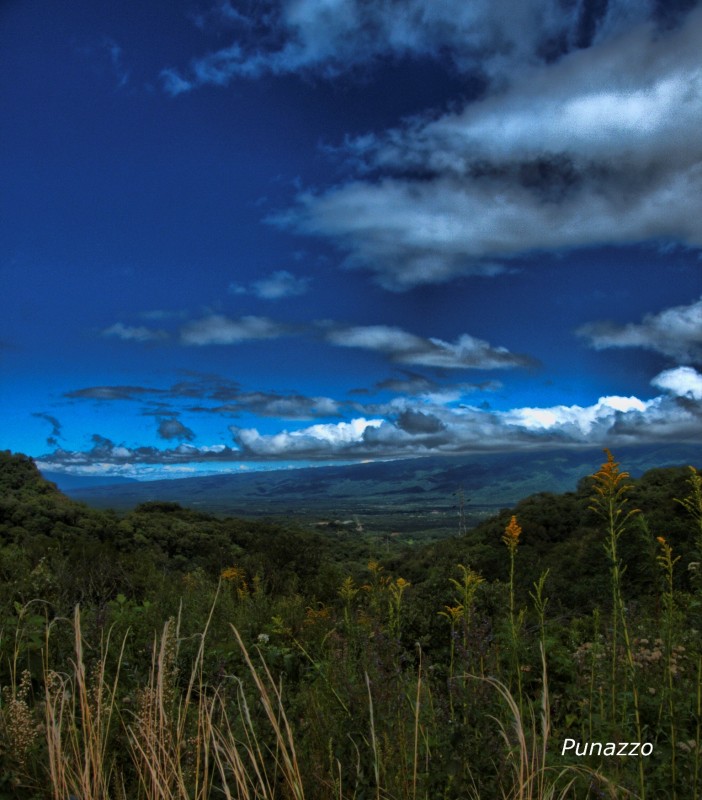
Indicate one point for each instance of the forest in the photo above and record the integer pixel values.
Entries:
(170, 653)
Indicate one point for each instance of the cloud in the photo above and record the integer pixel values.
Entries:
(682, 382)
(428, 425)
(172, 428)
(276, 286)
(282, 406)
(413, 385)
(314, 442)
(589, 149)
(218, 329)
(228, 396)
(417, 430)
(492, 37)
(418, 422)
(106, 456)
(130, 333)
(111, 393)
(406, 348)
(675, 332)
(55, 435)
(116, 55)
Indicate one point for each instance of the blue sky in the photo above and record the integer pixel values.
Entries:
(245, 235)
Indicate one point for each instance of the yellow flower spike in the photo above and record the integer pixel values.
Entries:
(511, 535)
(452, 613)
(348, 589)
(233, 574)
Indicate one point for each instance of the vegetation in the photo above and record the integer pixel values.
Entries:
(167, 653)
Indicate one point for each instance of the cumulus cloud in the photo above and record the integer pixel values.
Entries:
(593, 148)
(132, 333)
(218, 329)
(431, 424)
(278, 285)
(415, 430)
(316, 441)
(490, 36)
(682, 382)
(675, 332)
(407, 348)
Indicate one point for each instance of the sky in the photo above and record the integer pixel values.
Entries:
(244, 235)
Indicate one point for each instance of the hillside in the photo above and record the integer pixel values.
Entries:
(407, 496)
(353, 625)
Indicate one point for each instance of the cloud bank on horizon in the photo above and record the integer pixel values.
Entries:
(568, 132)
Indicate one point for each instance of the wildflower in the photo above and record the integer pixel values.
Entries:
(313, 615)
(234, 574)
(263, 638)
(452, 613)
(348, 589)
(511, 535)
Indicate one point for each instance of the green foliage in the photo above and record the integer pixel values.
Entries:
(346, 625)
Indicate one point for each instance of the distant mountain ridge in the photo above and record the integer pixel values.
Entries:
(68, 483)
(422, 488)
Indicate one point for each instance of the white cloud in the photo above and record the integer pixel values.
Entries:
(218, 329)
(592, 149)
(577, 420)
(131, 333)
(407, 427)
(313, 442)
(432, 425)
(674, 332)
(406, 348)
(682, 381)
(330, 37)
(274, 287)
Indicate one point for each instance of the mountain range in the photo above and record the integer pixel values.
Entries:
(413, 494)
